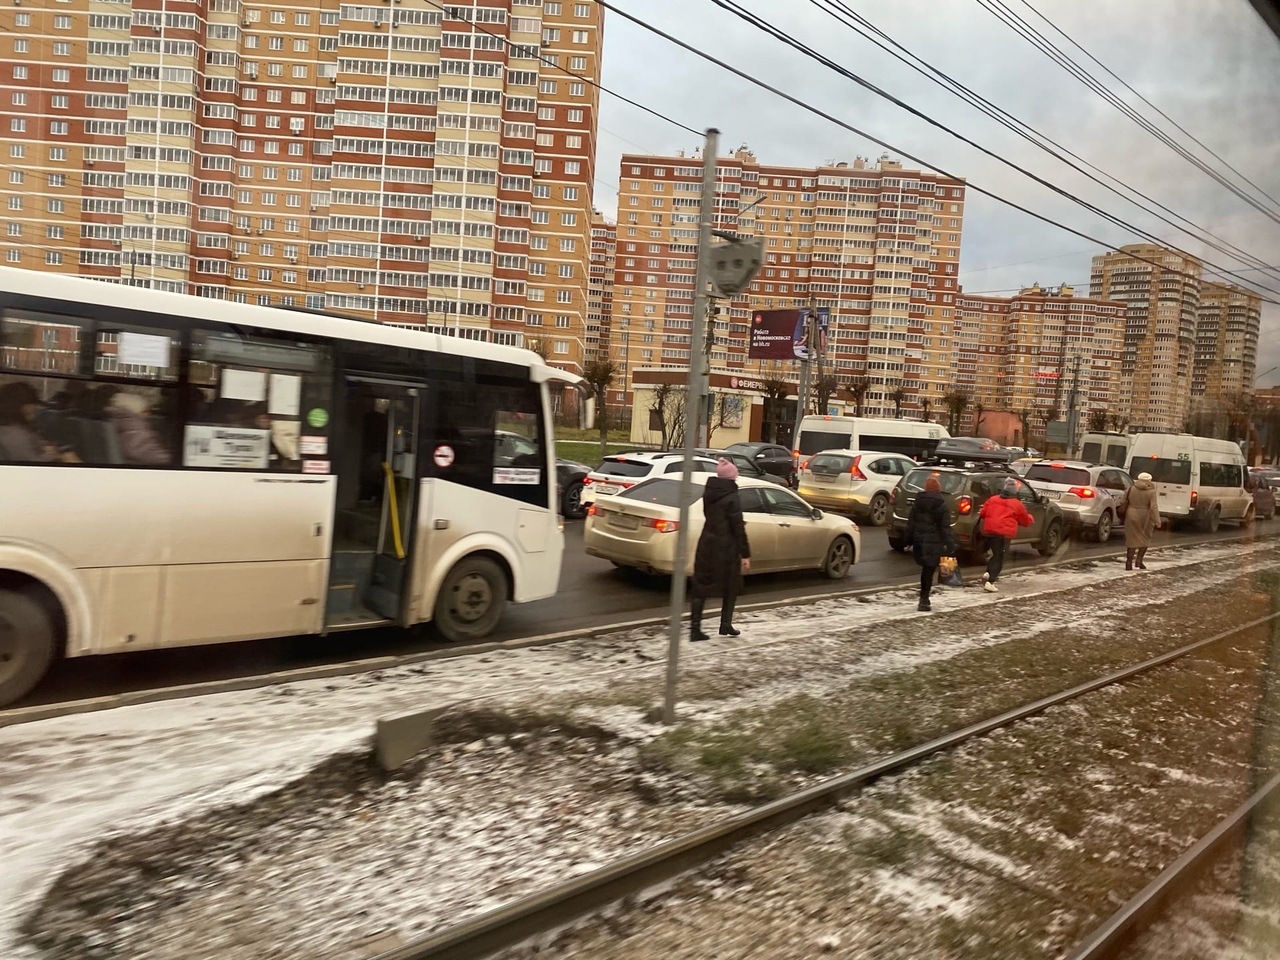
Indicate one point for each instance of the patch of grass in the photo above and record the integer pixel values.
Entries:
(588, 451)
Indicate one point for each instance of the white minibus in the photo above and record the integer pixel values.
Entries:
(1199, 479)
(911, 438)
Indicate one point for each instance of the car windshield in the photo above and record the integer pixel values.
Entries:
(665, 493)
(1162, 470)
(1058, 473)
(625, 468)
(951, 482)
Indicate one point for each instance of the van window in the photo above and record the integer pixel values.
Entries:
(1092, 452)
(1162, 470)
(815, 441)
(1221, 474)
(1115, 455)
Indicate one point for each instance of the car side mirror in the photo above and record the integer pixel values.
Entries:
(816, 514)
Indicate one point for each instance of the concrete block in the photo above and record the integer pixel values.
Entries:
(398, 740)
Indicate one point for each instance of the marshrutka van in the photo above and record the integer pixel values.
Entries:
(1199, 479)
(1111, 449)
(912, 438)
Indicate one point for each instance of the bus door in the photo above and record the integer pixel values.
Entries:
(377, 484)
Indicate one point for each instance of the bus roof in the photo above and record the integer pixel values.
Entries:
(33, 283)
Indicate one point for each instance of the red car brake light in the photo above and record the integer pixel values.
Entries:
(855, 471)
(1195, 498)
(964, 506)
(663, 526)
(592, 510)
(1084, 493)
(586, 480)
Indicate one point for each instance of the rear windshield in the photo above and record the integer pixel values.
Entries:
(625, 468)
(663, 492)
(1162, 470)
(951, 482)
(828, 463)
(1116, 454)
(1092, 452)
(1051, 473)
(815, 441)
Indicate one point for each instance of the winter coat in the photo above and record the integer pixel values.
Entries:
(21, 444)
(1003, 515)
(1141, 514)
(929, 529)
(138, 442)
(717, 563)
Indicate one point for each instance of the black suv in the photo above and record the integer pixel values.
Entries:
(966, 488)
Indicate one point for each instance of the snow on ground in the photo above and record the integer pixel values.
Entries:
(70, 781)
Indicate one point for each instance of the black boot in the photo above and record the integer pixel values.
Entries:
(695, 620)
(1128, 558)
(1142, 553)
(726, 616)
(924, 606)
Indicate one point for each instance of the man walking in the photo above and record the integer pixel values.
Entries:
(1001, 517)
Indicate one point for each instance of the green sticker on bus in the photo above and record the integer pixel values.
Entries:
(317, 417)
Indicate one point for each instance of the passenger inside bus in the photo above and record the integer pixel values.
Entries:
(139, 443)
(19, 440)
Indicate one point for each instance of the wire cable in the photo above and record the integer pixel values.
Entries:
(796, 101)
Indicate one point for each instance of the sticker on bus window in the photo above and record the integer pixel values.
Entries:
(315, 466)
(443, 456)
(317, 417)
(143, 349)
(313, 446)
(226, 447)
(517, 475)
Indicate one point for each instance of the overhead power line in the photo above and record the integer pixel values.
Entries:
(796, 101)
(844, 14)
(1019, 26)
(783, 36)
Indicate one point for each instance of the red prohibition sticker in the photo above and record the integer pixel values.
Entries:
(443, 455)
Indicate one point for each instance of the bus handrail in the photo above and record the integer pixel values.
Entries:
(395, 510)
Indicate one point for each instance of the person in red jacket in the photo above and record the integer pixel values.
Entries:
(1001, 518)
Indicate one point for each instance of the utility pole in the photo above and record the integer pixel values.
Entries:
(810, 340)
(695, 408)
(1071, 406)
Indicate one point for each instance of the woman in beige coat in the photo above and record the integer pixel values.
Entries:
(1141, 518)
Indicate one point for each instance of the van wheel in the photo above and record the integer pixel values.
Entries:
(839, 558)
(1052, 540)
(1212, 521)
(1102, 532)
(879, 510)
(472, 599)
(27, 644)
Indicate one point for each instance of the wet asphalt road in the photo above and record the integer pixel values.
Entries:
(592, 593)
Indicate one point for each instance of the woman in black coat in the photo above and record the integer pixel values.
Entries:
(723, 551)
(930, 537)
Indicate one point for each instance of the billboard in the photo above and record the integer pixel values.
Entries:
(780, 334)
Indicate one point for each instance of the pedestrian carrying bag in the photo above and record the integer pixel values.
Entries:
(949, 572)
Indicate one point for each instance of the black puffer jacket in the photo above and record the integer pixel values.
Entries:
(929, 529)
(717, 564)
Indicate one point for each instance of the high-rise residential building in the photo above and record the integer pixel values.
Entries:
(1227, 326)
(876, 244)
(1049, 343)
(604, 240)
(1161, 291)
(421, 164)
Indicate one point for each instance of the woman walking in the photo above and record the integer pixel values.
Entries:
(1001, 518)
(1141, 517)
(930, 537)
(723, 552)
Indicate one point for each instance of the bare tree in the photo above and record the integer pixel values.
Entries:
(978, 412)
(899, 397)
(926, 406)
(776, 391)
(724, 409)
(1098, 420)
(659, 400)
(857, 390)
(600, 374)
(1025, 417)
(956, 401)
(1117, 423)
(676, 418)
(823, 390)
(539, 346)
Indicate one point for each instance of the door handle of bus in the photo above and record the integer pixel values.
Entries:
(784, 525)
(317, 529)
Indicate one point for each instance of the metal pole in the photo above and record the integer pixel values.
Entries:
(694, 407)
(802, 394)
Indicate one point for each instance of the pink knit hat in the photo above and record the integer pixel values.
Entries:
(726, 470)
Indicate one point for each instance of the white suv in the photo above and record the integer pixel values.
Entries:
(856, 482)
(1088, 493)
(624, 470)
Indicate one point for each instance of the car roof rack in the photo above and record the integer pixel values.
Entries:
(990, 459)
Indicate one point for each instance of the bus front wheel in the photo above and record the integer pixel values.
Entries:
(471, 599)
(27, 644)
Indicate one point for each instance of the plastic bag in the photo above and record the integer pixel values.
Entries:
(949, 573)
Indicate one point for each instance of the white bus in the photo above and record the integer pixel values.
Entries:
(1198, 479)
(911, 438)
(178, 470)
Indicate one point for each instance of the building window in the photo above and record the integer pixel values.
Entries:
(19, 73)
(62, 48)
(60, 101)
(21, 46)
(577, 64)
(61, 75)
(577, 89)
(53, 258)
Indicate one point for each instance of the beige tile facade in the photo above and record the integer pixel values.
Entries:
(604, 241)
(407, 163)
(1227, 328)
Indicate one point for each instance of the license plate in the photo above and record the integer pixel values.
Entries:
(606, 490)
(623, 522)
(1053, 495)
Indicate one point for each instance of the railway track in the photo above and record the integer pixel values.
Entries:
(560, 905)
(347, 668)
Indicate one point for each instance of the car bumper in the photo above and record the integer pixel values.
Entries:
(652, 556)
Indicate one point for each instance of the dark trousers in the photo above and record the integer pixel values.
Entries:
(698, 604)
(997, 547)
(927, 575)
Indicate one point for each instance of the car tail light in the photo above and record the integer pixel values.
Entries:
(663, 526)
(795, 454)
(855, 471)
(1084, 493)
(1195, 498)
(592, 510)
(804, 464)
(964, 506)
(586, 480)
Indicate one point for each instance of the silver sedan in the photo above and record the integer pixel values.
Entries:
(638, 529)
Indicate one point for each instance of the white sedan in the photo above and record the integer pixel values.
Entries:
(638, 527)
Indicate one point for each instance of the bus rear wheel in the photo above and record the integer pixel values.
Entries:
(471, 600)
(27, 644)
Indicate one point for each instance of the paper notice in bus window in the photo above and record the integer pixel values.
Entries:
(144, 349)
(284, 437)
(285, 398)
(248, 385)
(226, 447)
(517, 475)
(315, 466)
(313, 446)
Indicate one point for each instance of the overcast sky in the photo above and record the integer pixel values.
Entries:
(1211, 65)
